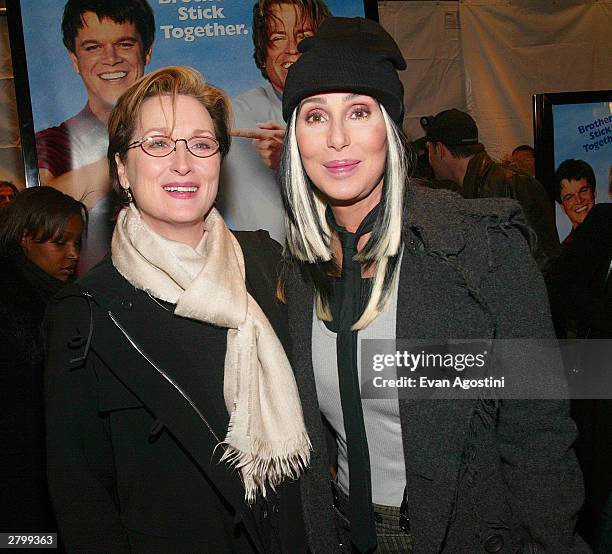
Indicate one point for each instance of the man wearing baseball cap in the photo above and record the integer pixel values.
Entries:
(456, 155)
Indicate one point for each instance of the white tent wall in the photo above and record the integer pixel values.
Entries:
(514, 49)
(491, 56)
(428, 35)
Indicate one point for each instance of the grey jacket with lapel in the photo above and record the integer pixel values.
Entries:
(482, 475)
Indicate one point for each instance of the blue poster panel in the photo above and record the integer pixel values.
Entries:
(79, 62)
(583, 131)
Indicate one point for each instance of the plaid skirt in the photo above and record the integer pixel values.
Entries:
(390, 535)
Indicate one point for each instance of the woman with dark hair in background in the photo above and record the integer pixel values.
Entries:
(8, 191)
(40, 242)
(171, 405)
(375, 258)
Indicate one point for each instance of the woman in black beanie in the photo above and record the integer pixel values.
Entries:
(369, 256)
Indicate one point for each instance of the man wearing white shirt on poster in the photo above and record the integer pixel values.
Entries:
(249, 197)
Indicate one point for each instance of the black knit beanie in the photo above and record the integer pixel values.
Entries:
(348, 55)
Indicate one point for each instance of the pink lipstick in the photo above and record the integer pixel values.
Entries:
(340, 167)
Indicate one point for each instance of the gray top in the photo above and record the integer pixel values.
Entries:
(249, 197)
(381, 416)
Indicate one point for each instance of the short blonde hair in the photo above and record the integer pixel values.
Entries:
(167, 81)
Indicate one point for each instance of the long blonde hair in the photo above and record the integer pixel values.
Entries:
(308, 235)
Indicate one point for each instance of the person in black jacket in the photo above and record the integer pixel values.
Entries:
(171, 406)
(40, 241)
(456, 156)
(580, 290)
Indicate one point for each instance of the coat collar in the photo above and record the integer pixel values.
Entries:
(478, 167)
(434, 218)
(315, 486)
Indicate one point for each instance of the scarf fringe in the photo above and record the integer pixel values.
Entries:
(269, 463)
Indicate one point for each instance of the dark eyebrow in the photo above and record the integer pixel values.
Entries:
(323, 100)
(164, 132)
(314, 100)
(130, 38)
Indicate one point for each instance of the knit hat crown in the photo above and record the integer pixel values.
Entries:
(347, 55)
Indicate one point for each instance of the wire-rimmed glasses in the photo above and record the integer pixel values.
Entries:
(160, 146)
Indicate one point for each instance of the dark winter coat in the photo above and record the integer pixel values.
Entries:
(135, 415)
(25, 290)
(580, 289)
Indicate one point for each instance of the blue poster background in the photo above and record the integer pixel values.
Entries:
(580, 132)
(58, 93)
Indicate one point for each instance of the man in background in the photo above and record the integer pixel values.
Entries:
(523, 157)
(249, 197)
(456, 155)
(109, 44)
(575, 192)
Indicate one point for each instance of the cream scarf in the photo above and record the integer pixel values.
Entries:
(266, 439)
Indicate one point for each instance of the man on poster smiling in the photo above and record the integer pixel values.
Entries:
(249, 197)
(575, 192)
(109, 44)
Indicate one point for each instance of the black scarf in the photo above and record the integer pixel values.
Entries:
(347, 306)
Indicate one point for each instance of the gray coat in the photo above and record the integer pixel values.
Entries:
(482, 475)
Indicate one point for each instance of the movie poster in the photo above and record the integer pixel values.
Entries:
(583, 132)
(77, 71)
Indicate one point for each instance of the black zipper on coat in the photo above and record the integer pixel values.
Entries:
(164, 375)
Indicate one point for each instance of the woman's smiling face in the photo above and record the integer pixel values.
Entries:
(173, 193)
(342, 139)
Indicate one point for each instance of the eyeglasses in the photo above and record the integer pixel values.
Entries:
(160, 146)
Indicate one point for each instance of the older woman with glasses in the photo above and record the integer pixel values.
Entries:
(171, 404)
